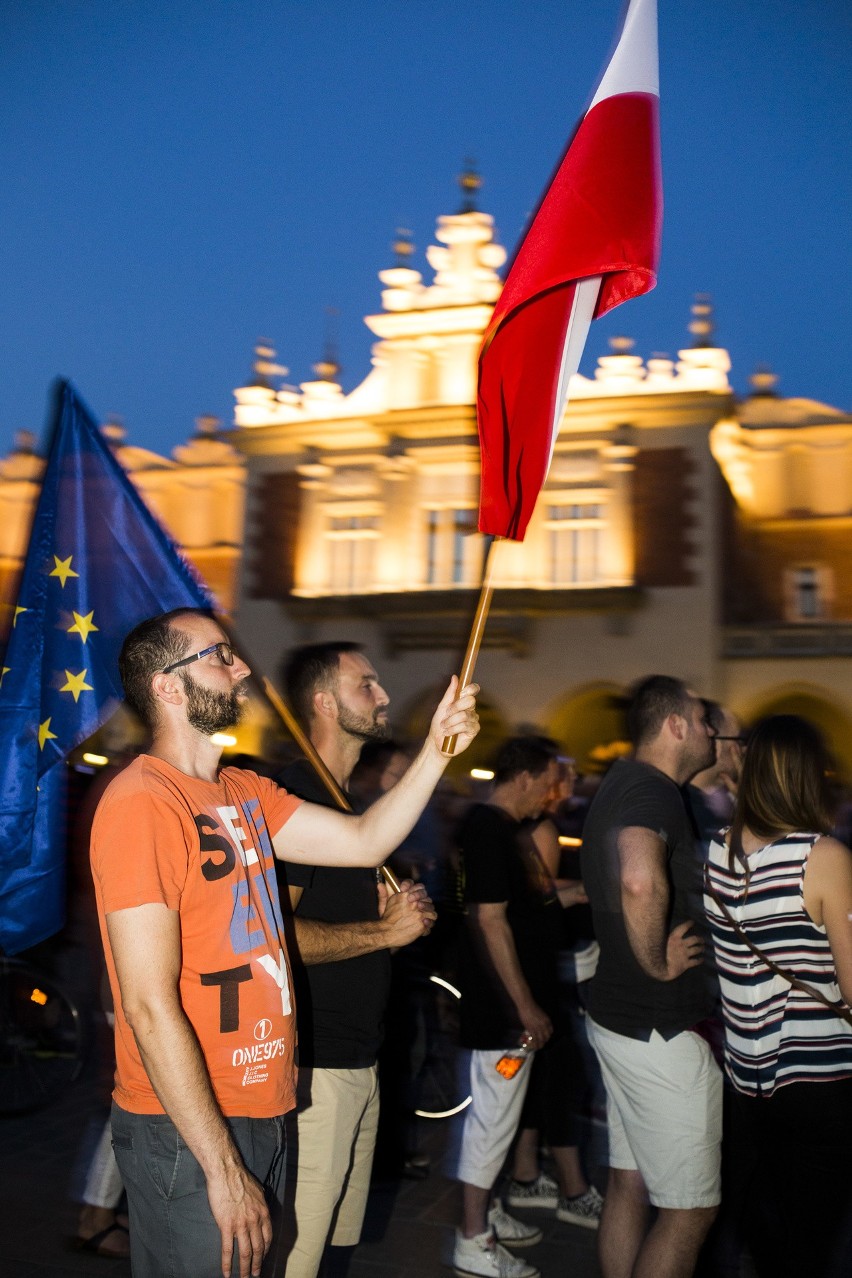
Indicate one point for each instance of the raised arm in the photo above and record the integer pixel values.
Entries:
(323, 836)
(146, 947)
(828, 900)
(489, 921)
(645, 905)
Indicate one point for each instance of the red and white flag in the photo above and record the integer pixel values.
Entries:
(593, 243)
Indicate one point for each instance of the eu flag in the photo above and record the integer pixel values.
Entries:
(98, 563)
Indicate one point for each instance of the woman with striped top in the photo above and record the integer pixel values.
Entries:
(779, 902)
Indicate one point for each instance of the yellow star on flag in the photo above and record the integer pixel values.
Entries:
(63, 569)
(82, 625)
(44, 734)
(76, 683)
(3, 674)
(18, 612)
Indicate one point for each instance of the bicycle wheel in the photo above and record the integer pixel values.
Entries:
(41, 1038)
(438, 1092)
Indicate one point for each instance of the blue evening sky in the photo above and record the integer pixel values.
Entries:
(182, 178)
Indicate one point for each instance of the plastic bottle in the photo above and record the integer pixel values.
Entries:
(510, 1062)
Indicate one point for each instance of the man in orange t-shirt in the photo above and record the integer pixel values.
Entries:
(188, 908)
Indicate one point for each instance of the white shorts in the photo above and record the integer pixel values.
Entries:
(664, 1111)
(491, 1119)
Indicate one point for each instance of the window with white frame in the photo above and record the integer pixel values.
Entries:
(451, 553)
(352, 537)
(575, 525)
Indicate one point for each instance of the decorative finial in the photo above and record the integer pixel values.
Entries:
(25, 441)
(113, 429)
(701, 326)
(264, 367)
(403, 245)
(470, 182)
(763, 382)
(621, 345)
(327, 369)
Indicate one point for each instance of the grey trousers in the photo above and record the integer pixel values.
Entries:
(172, 1230)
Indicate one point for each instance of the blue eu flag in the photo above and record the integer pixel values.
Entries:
(98, 563)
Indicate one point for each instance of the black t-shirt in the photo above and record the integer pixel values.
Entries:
(499, 863)
(340, 1006)
(622, 997)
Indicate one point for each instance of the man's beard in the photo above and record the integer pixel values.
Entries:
(363, 727)
(210, 712)
(703, 759)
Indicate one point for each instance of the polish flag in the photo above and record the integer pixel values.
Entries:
(593, 243)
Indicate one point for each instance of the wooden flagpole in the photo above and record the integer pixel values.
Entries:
(486, 590)
(303, 741)
(309, 752)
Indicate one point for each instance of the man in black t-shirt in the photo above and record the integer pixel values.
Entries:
(664, 1089)
(508, 975)
(344, 925)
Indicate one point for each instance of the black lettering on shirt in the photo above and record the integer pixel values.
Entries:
(229, 994)
(214, 843)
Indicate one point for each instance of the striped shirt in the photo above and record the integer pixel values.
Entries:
(774, 1034)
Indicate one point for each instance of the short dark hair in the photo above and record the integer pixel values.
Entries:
(312, 668)
(651, 702)
(523, 754)
(149, 648)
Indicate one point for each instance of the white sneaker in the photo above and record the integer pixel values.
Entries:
(483, 1257)
(585, 1210)
(541, 1192)
(510, 1232)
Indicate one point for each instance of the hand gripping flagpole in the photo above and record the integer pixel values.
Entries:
(486, 590)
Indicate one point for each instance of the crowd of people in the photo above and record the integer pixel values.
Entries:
(252, 944)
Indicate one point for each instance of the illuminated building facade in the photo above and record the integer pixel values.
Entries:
(680, 530)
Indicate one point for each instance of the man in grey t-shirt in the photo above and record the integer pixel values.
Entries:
(664, 1089)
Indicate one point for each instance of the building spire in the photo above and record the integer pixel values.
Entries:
(264, 367)
(403, 245)
(114, 430)
(701, 326)
(763, 382)
(328, 369)
(25, 442)
(470, 182)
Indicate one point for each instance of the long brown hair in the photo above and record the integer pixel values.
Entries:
(784, 785)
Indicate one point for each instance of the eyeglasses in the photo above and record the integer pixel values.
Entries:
(224, 652)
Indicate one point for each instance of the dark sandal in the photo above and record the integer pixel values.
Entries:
(95, 1243)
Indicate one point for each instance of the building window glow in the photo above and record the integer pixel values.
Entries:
(451, 552)
(808, 592)
(351, 541)
(576, 529)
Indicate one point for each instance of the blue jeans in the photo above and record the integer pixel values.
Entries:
(172, 1230)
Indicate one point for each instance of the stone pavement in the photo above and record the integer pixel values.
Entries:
(407, 1233)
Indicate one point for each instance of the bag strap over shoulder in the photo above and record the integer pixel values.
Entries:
(837, 1008)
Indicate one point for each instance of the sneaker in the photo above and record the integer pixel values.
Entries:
(541, 1192)
(483, 1257)
(510, 1232)
(583, 1210)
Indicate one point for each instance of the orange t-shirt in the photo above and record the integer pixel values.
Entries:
(204, 848)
